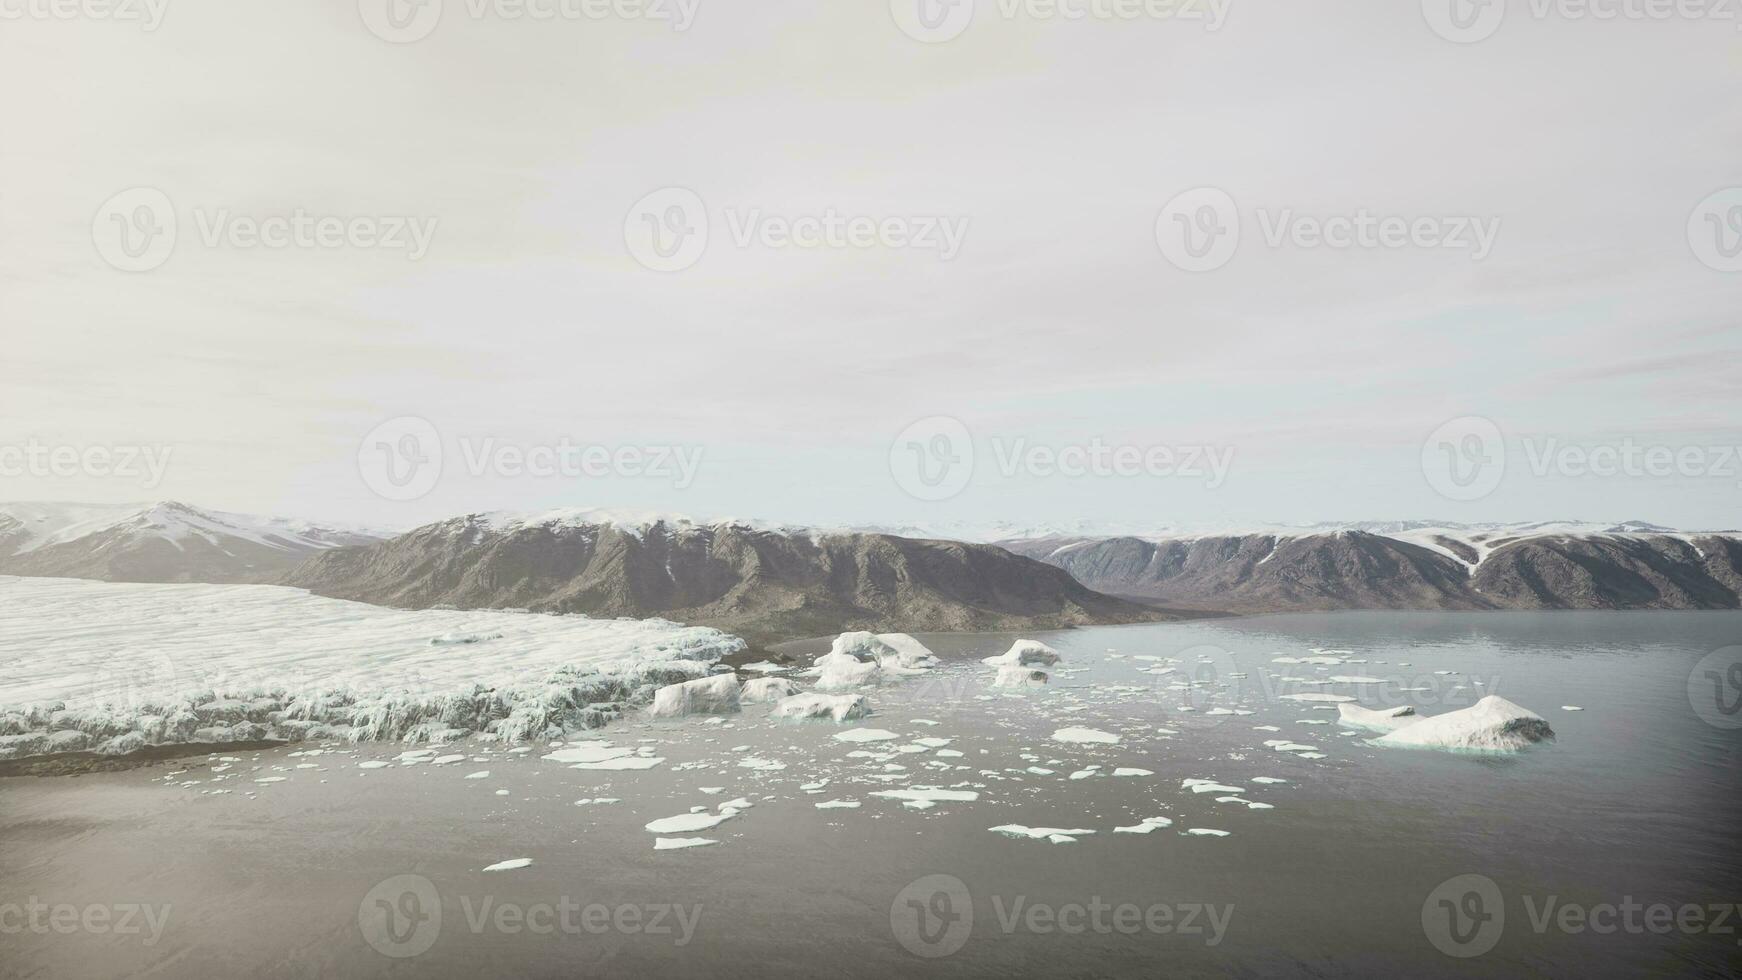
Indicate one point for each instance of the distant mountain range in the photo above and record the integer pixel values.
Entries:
(762, 582)
(1412, 565)
(161, 542)
(769, 581)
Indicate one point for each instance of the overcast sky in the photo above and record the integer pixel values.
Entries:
(1601, 312)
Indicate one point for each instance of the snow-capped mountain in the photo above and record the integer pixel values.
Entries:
(1411, 565)
(158, 542)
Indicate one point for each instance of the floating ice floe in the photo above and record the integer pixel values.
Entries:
(510, 865)
(679, 843)
(1131, 771)
(1206, 832)
(373, 764)
(1381, 720)
(717, 695)
(866, 735)
(1571, 707)
(1085, 736)
(1025, 653)
(816, 707)
(1058, 835)
(1208, 786)
(1268, 780)
(838, 805)
(691, 822)
(1356, 679)
(1243, 801)
(1283, 745)
(1149, 825)
(927, 794)
(1326, 698)
(1491, 725)
(480, 774)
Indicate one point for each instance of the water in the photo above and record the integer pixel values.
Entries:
(1635, 801)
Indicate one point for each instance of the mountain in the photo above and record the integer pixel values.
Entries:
(1412, 565)
(161, 542)
(760, 581)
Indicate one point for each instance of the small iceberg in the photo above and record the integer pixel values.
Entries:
(817, 707)
(718, 695)
(1025, 653)
(1491, 725)
(1011, 676)
(764, 689)
(1381, 720)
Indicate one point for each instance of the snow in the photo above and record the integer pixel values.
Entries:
(1085, 736)
(43, 525)
(717, 695)
(1025, 653)
(1491, 725)
(835, 707)
(1382, 720)
(126, 665)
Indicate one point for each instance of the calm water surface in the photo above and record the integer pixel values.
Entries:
(1635, 801)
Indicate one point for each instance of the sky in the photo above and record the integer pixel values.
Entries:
(873, 261)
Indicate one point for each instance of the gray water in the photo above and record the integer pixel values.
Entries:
(1635, 801)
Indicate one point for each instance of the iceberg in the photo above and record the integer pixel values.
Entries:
(834, 707)
(1025, 653)
(717, 695)
(1381, 720)
(1010, 676)
(1491, 725)
(764, 689)
(841, 672)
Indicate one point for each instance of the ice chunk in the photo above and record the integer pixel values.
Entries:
(690, 822)
(1019, 677)
(1025, 653)
(1128, 771)
(1492, 724)
(1058, 835)
(510, 865)
(767, 689)
(1381, 720)
(1206, 832)
(1148, 825)
(717, 695)
(679, 843)
(480, 774)
(1086, 736)
(927, 794)
(1326, 698)
(838, 805)
(588, 752)
(836, 707)
(621, 764)
(840, 672)
(1208, 786)
(866, 735)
